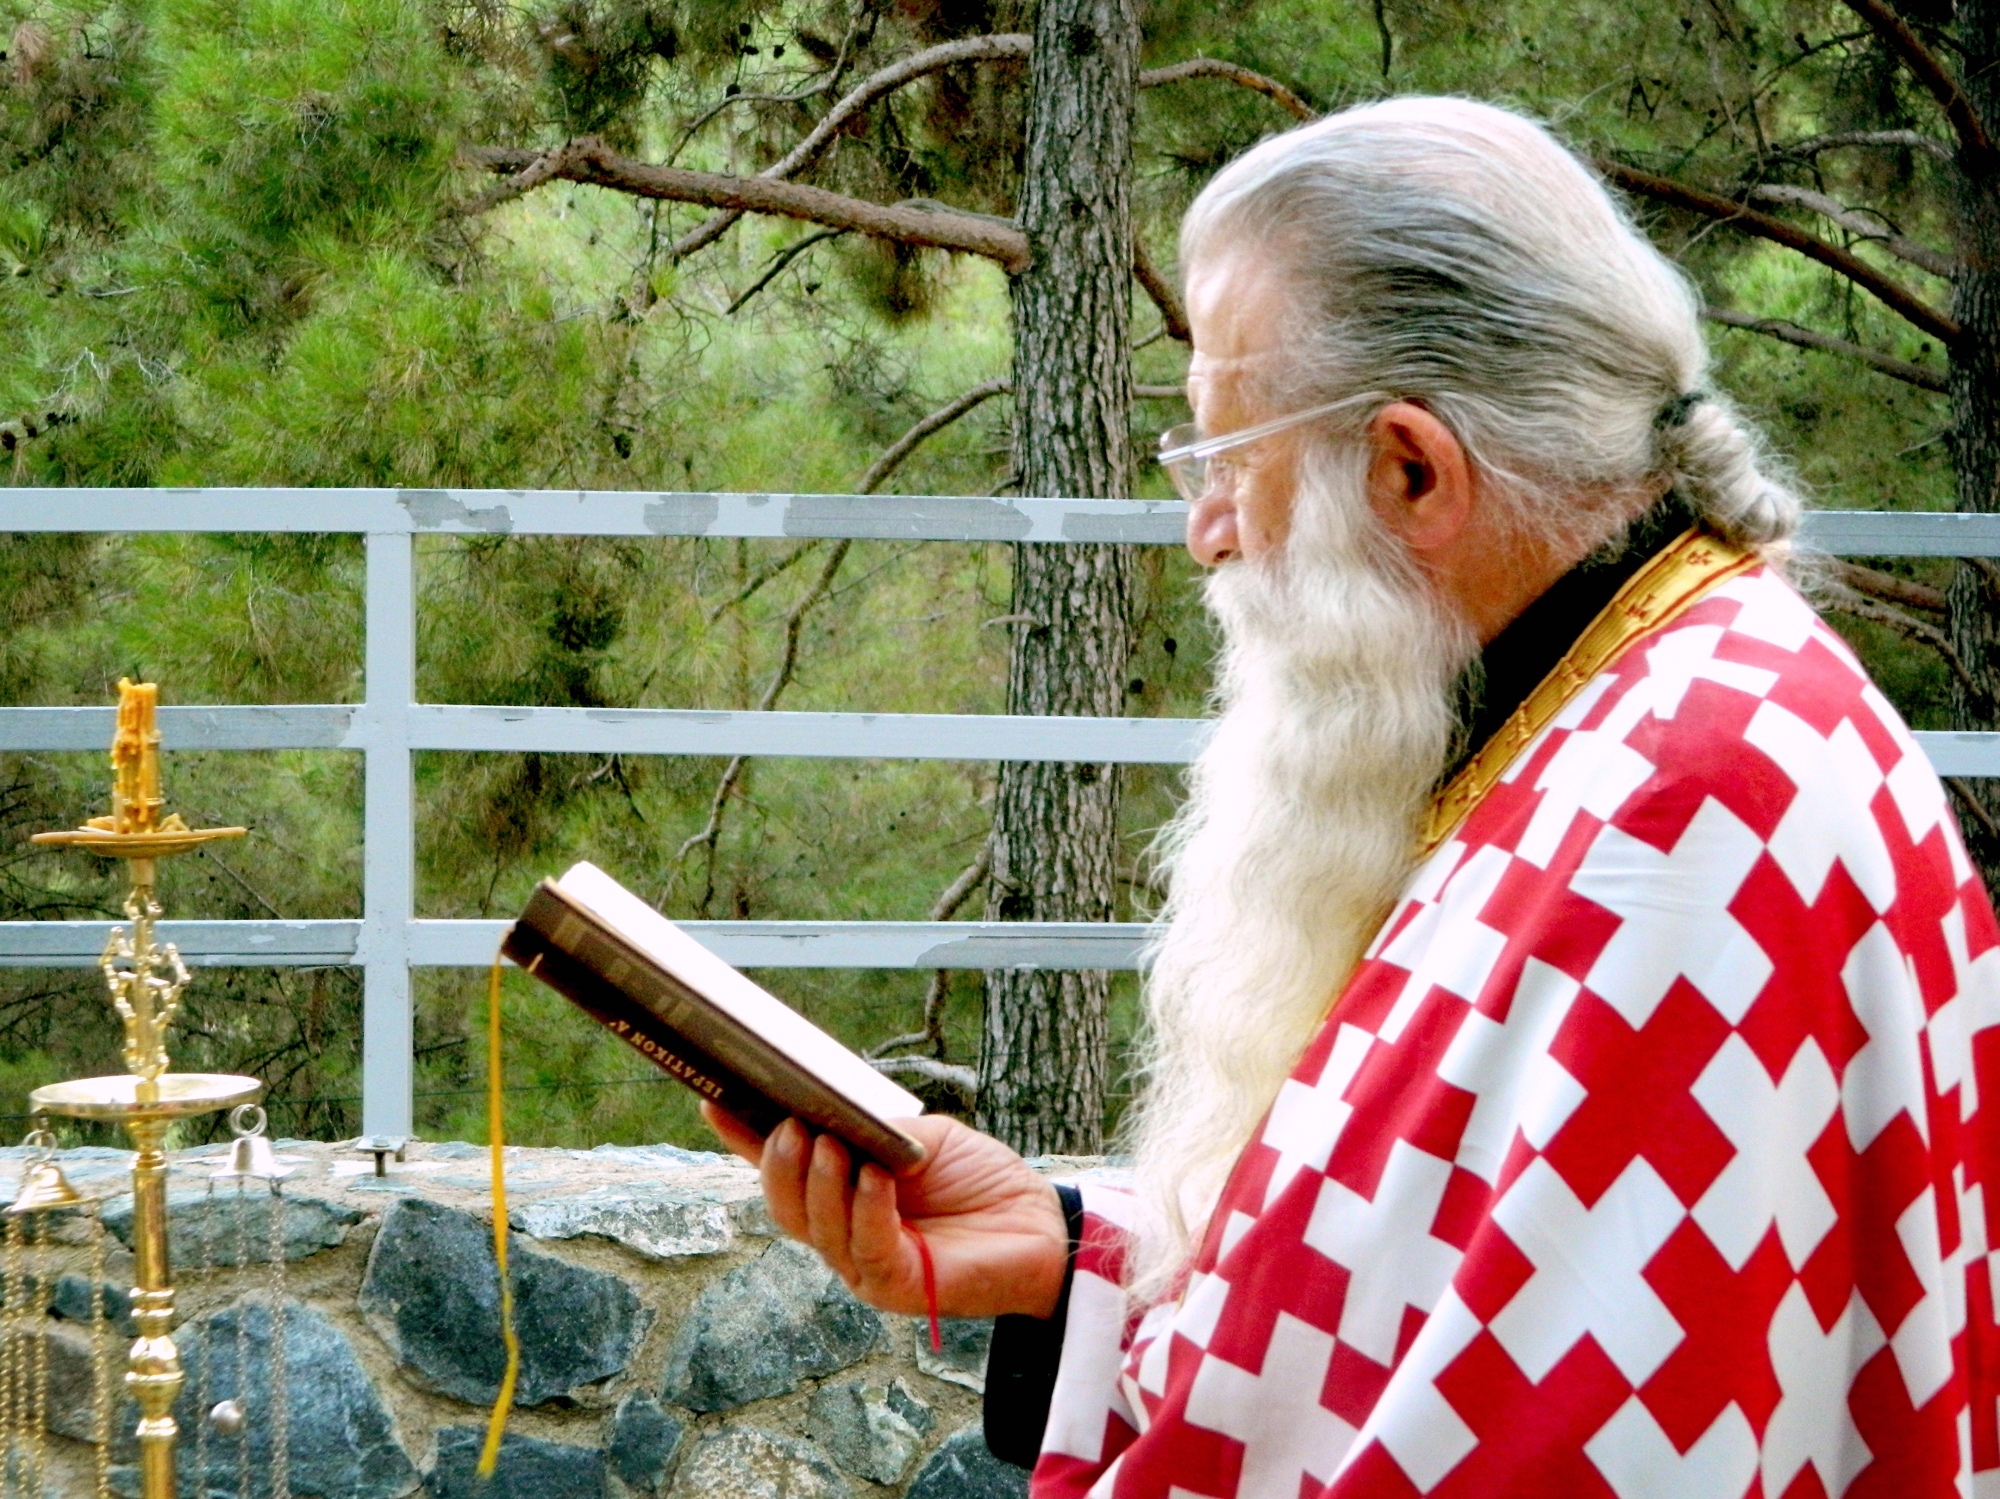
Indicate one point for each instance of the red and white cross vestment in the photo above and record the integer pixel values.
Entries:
(1647, 1153)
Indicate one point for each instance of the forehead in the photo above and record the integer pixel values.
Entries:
(1236, 306)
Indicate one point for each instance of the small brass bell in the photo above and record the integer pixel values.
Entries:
(250, 1153)
(43, 1185)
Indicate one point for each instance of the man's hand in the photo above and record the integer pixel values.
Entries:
(996, 1232)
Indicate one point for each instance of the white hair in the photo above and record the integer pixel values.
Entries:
(1453, 254)
(1456, 254)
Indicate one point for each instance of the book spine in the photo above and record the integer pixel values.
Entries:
(577, 970)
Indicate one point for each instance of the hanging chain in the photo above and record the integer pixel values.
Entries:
(243, 1352)
(281, 1409)
(206, 1277)
(11, 1352)
(100, 1351)
(38, 1353)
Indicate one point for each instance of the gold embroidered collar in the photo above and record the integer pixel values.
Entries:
(1660, 592)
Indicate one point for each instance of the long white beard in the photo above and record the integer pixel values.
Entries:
(1337, 712)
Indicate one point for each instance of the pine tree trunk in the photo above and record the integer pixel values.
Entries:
(1975, 423)
(1043, 1057)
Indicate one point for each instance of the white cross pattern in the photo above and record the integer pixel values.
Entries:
(1414, 1423)
(1812, 1423)
(1446, 945)
(1638, 1459)
(1305, 1122)
(1772, 1128)
(1506, 1063)
(1286, 1433)
(1674, 916)
(1587, 1271)
(1386, 1247)
(1831, 777)
(1886, 1077)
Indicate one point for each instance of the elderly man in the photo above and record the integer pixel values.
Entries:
(1570, 1044)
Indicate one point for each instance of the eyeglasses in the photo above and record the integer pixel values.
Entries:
(1184, 452)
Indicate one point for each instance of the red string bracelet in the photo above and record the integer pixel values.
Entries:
(930, 1287)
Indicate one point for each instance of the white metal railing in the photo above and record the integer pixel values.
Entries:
(389, 725)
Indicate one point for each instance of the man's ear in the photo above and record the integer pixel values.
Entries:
(1419, 478)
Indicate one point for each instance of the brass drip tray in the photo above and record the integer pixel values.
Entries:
(173, 1096)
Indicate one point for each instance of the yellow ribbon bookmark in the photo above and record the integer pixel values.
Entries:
(496, 1424)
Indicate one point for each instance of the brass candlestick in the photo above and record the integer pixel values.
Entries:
(146, 980)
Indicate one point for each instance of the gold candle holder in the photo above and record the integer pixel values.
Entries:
(146, 980)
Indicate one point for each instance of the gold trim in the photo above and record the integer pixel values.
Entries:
(1660, 592)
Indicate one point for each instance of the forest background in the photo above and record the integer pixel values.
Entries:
(248, 242)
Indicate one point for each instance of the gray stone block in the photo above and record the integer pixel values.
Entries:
(658, 1222)
(432, 1292)
(71, 1300)
(745, 1463)
(644, 1442)
(205, 1231)
(962, 1359)
(871, 1430)
(528, 1468)
(763, 1329)
(340, 1438)
(963, 1469)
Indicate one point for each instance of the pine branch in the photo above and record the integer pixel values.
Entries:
(762, 576)
(711, 834)
(875, 86)
(1826, 343)
(590, 161)
(1887, 588)
(1233, 72)
(778, 263)
(892, 458)
(1173, 316)
(1895, 140)
(960, 1081)
(956, 894)
(1865, 223)
(1929, 70)
(1923, 634)
(1892, 294)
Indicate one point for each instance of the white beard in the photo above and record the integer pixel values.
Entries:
(1337, 712)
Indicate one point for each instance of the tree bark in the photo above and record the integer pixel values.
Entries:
(1975, 417)
(1043, 1055)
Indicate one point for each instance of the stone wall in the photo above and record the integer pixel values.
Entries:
(671, 1346)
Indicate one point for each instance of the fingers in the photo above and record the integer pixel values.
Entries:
(877, 1243)
(737, 1136)
(830, 1206)
(787, 1155)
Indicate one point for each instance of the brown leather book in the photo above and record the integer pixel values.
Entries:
(701, 1021)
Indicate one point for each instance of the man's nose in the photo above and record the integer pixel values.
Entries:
(1211, 529)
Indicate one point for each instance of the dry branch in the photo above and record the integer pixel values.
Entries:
(1922, 633)
(863, 94)
(788, 660)
(1892, 294)
(1894, 140)
(590, 161)
(1887, 587)
(1929, 70)
(1865, 223)
(1172, 314)
(1826, 343)
(956, 894)
(960, 1081)
(1215, 67)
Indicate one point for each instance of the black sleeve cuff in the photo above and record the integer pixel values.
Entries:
(1021, 1366)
